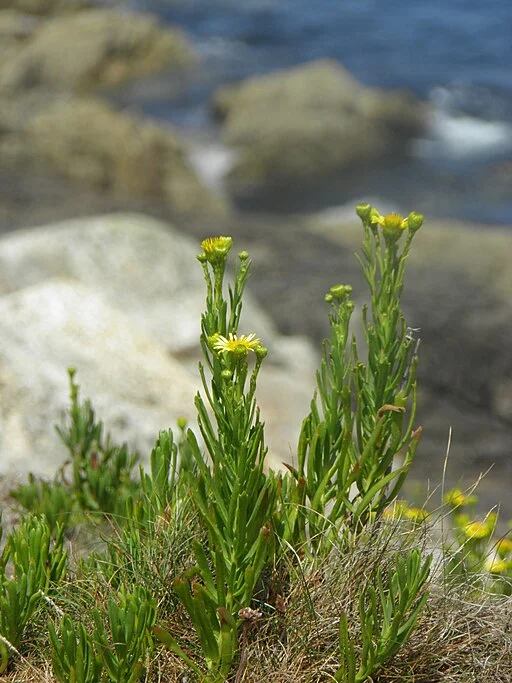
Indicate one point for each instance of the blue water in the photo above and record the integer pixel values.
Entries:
(455, 53)
(391, 43)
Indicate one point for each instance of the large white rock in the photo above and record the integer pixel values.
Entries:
(136, 387)
(135, 264)
(120, 298)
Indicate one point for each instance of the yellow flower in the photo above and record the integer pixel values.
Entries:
(496, 566)
(390, 220)
(456, 498)
(237, 345)
(478, 529)
(504, 547)
(416, 514)
(216, 248)
(392, 224)
(401, 510)
(396, 510)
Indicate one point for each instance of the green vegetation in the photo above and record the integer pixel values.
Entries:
(209, 567)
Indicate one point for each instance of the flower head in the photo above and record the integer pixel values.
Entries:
(216, 249)
(392, 224)
(239, 346)
(339, 294)
(402, 510)
(456, 498)
(416, 514)
(478, 529)
(504, 547)
(496, 566)
(396, 510)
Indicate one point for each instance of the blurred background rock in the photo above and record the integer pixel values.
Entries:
(268, 120)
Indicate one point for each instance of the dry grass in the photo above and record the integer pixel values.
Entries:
(462, 636)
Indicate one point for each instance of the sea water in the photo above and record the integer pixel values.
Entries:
(456, 54)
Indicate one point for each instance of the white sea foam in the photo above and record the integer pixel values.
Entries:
(218, 47)
(457, 134)
(211, 161)
(460, 136)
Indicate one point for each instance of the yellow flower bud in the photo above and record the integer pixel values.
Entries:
(338, 292)
(216, 249)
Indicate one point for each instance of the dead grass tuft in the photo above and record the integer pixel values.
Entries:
(462, 635)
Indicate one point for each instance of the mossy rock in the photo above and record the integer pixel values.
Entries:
(311, 120)
(93, 48)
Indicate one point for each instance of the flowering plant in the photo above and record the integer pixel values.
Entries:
(210, 534)
(473, 548)
(362, 417)
(234, 497)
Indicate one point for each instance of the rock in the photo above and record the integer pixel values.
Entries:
(136, 264)
(91, 48)
(113, 296)
(285, 390)
(136, 387)
(89, 142)
(311, 120)
(16, 27)
(322, 85)
(45, 7)
(45, 127)
(15, 30)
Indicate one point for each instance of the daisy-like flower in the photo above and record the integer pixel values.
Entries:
(416, 514)
(216, 249)
(496, 566)
(392, 224)
(478, 529)
(402, 510)
(396, 510)
(504, 547)
(456, 498)
(238, 345)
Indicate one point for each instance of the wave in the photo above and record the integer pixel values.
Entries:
(456, 131)
(221, 48)
(211, 161)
